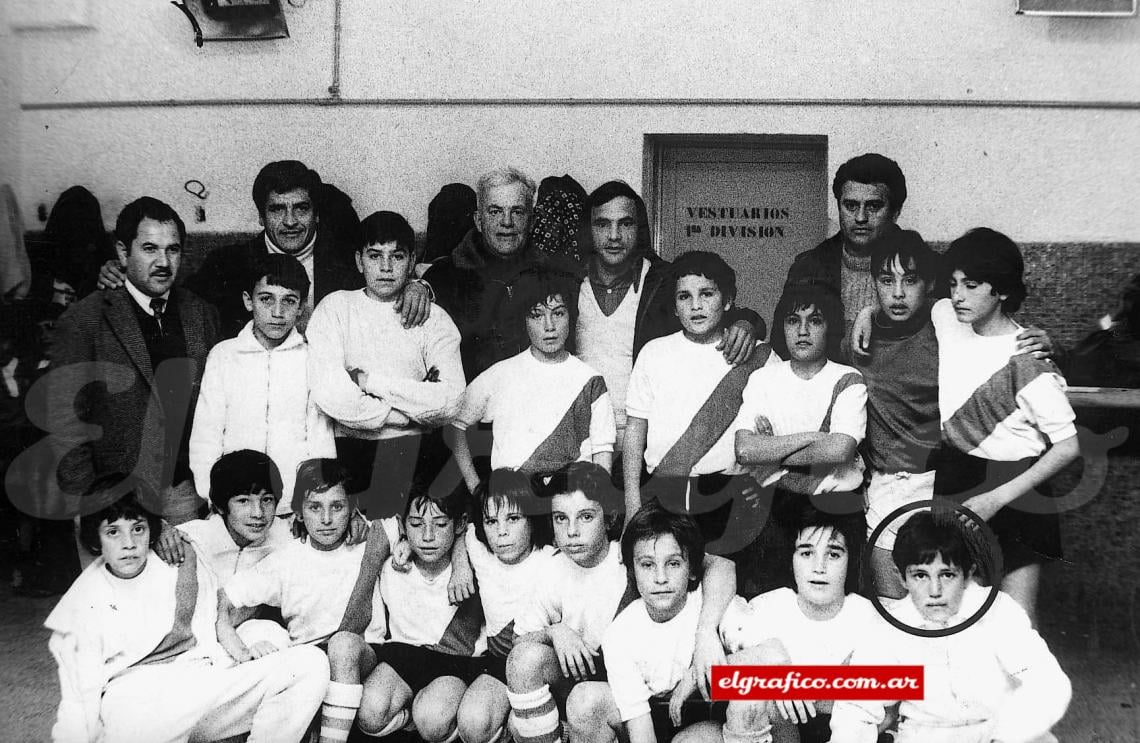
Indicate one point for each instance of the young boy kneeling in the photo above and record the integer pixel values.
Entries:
(818, 621)
(649, 647)
(994, 680)
(138, 658)
(421, 673)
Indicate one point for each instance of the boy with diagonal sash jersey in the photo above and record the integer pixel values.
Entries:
(547, 407)
(683, 397)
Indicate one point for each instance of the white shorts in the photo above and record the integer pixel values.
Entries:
(889, 491)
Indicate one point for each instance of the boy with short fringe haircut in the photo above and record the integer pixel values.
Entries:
(419, 675)
(255, 391)
(137, 651)
(994, 680)
(547, 407)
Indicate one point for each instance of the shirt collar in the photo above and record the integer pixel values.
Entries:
(143, 300)
(631, 275)
(301, 255)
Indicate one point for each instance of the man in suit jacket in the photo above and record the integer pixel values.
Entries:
(127, 363)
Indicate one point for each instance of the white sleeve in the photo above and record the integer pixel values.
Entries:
(943, 317)
(543, 610)
(320, 438)
(603, 430)
(476, 402)
(477, 552)
(428, 403)
(332, 388)
(631, 693)
(751, 404)
(849, 416)
(81, 690)
(1045, 404)
(208, 430)
(1043, 692)
(639, 394)
(260, 584)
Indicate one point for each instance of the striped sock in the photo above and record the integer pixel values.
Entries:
(536, 716)
(339, 710)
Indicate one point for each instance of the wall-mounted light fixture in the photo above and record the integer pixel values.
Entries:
(234, 20)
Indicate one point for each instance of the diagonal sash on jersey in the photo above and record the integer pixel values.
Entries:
(181, 636)
(564, 444)
(712, 419)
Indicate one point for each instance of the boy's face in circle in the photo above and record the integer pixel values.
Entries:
(974, 301)
(275, 310)
(124, 544)
(936, 589)
(431, 532)
(250, 516)
(819, 566)
(579, 528)
(661, 572)
(805, 331)
(326, 516)
(700, 306)
(508, 531)
(901, 292)
(548, 327)
(386, 268)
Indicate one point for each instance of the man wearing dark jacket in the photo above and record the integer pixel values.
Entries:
(626, 296)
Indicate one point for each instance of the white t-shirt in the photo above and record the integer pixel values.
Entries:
(312, 587)
(419, 612)
(506, 590)
(644, 658)
(527, 400)
(996, 404)
(777, 615)
(997, 676)
(217, 549)
(584, 599)
(671, 380)
(795, 405)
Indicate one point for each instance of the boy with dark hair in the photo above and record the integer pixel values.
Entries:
(255, 390)
(1007, 425)
(388, 387)
(649, 647)
(245, 488)
(901, 373)
(137, 652)
(547, 407)
(683, 396)
(421, 672)
(560, 636)
(994, 680)
(817, 620)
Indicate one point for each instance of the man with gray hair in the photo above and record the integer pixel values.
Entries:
(475, 282)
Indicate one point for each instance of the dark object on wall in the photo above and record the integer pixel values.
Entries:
(234, 20)
(559, 218)
(1077, 8)
(450, 217)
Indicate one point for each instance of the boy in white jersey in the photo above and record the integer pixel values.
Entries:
(560, 635)
(311, 578)
(389, 388)
(255, 390)
(682, 399)
(509, 548)
(987, 677)
(547, 408)
(649, 647)
(800, 423)
(138, 658)
(1007, 425)
(817, 621)
(420, 674)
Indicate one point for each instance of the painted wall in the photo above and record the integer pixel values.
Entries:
(431, 93)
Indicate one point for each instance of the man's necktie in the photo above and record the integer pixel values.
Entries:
(157, 305)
